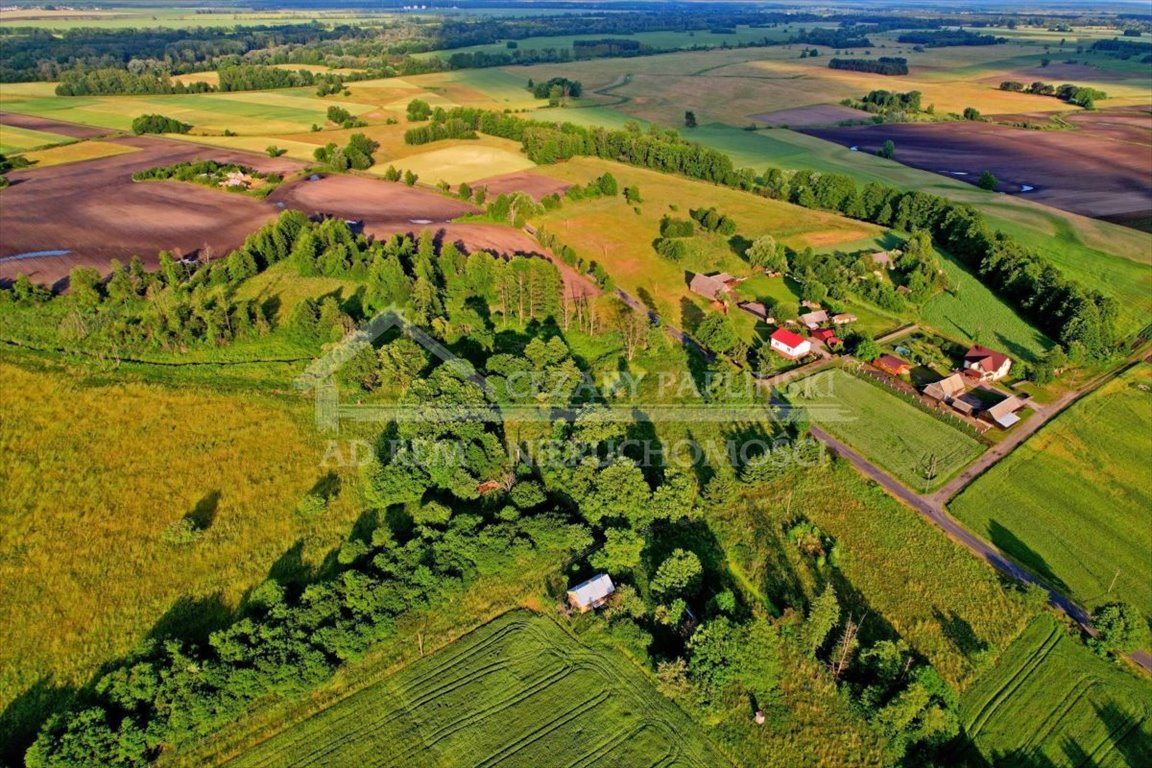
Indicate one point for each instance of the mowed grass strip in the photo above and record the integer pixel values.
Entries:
(518, 691)
(1072, 503)
(93, 476)
(13, 139)
(973, 310)
(1049, 701)
(892, 433)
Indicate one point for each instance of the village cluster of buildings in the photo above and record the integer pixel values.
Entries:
(981, 365)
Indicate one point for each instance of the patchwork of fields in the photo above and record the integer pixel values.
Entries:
(1072, 503)
(1048, 701)
(518, 691)
(887, 430)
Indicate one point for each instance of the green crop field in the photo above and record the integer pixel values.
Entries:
(894, 434)
(1093, 459)
(517, 691)
(1049, 701)
(13, 139)
(974, 310)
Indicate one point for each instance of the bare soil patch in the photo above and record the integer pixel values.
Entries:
(52, 126)
(95, 212)
(815, 115)
(381, 204)
(1100, 170)
(534, 184)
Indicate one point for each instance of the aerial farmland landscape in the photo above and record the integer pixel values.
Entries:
(615, 383)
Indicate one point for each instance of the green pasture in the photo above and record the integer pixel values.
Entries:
(892, 433)
(972, 310)
(1072, 503)
(519, 691)
(1048, 701)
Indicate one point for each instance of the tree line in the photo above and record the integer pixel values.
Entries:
(883, 65)
(941, 38)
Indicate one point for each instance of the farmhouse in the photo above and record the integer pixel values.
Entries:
(711, 287)
(813, 320)
(946, 389)
(789, 344)
(757, 310)
(1003, 414)
(986, 364)
(843, 318)
(592, 593)
(892, 364)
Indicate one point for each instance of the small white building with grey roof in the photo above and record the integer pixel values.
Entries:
(591, 593)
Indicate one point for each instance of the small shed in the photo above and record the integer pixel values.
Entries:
(843, 318)
(591, 593)
(815, 319)
(882, 259)
(708, 286)
(758, 310)
(892, 365)
(1003, 414)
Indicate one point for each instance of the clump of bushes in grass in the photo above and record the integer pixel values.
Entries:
(356, 154)
(158, 124)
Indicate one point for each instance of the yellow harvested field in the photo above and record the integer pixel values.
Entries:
(77, 153)
(467, 162)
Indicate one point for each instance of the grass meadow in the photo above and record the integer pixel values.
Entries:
(1072, 503)
(892, 433)
(13, 139)
(517, 691)
(1049, 701)
(609, 231)
(96, 470)
(974, 310)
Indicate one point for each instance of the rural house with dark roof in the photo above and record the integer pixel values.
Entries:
(986, 364)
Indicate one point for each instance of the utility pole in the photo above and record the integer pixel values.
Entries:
(1113, 584)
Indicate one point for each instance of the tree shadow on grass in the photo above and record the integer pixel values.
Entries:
(193, 619)
(959, 633)
(21, 719)
(204, 513)
(1012, 545)
(1130, 734)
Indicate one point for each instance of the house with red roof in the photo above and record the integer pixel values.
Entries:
(790, 345)
(986, 364)
(826, 335)
(893, 365)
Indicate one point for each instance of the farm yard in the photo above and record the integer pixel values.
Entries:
(516, 691)
(894, 434)
(1093, 459)
(1048, 701)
